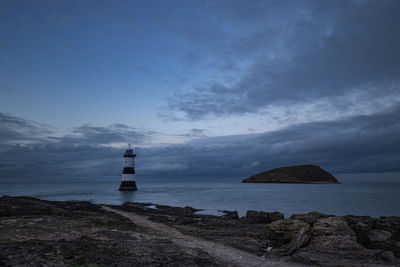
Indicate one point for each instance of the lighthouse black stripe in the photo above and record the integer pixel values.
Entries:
(128, 170)
(128, 186)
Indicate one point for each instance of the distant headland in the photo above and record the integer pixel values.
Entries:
(302, 174)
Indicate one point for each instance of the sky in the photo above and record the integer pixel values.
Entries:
(204, 90)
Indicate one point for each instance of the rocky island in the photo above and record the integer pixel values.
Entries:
(302, 174)
(36, 232)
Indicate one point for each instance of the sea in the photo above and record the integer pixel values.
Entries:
(370, 198)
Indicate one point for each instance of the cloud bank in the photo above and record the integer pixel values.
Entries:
(330, 55)
(358, 144)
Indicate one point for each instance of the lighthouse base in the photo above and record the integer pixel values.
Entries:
(128, 186)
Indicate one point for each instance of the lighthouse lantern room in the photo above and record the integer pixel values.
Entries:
(128, 183)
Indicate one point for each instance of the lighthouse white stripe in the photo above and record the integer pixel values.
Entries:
(127, 177)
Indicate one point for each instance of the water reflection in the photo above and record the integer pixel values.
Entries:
(127, 196)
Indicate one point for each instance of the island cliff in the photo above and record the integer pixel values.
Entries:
(303, 174)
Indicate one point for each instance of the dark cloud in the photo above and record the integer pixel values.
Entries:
(367, 143)
(344, 53)
(14, 130)
(106, 135)
(31, 151)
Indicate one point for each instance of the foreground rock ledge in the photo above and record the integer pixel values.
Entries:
(36, 232)
(302, 174)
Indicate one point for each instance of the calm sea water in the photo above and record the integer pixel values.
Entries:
(360, 198)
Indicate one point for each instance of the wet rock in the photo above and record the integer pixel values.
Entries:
(284, 231)
(378, 236)
(230, 215)
(263, 217)
(310, 218)
(189, 210)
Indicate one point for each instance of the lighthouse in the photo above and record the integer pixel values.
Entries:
(128, 173)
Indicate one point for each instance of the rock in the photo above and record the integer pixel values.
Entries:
(293, 174)
(49, 233)
(84, 234)
(16, 206)
(390, 224)
(378, 236)
(333, 241)
(230, 215)
(310, 218)
(338, 249)
(381, 239)
(394, 246)
(387, 256)
(284, 231)
(301, 239)
(332, 226)
(263, 217)
(351, 220)
(361, 231)
(375, 233)
(189, 210)
(361, 225)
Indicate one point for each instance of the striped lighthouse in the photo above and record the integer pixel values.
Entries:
(128, 173)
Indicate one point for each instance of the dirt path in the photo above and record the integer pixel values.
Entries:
(231, 256)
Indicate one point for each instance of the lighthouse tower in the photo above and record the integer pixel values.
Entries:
(128, 184)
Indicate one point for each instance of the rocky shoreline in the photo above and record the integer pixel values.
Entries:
(36, 232)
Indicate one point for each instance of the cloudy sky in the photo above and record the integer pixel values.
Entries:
(204, 90)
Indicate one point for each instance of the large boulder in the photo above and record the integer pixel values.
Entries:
(263, 217)
(333, 241)
(352, 219)
(284, 231)
(376, 236)
(300, 240)
(390, 224)
(337, 249)
(361, 230)
(372, 233)
(332, 226)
